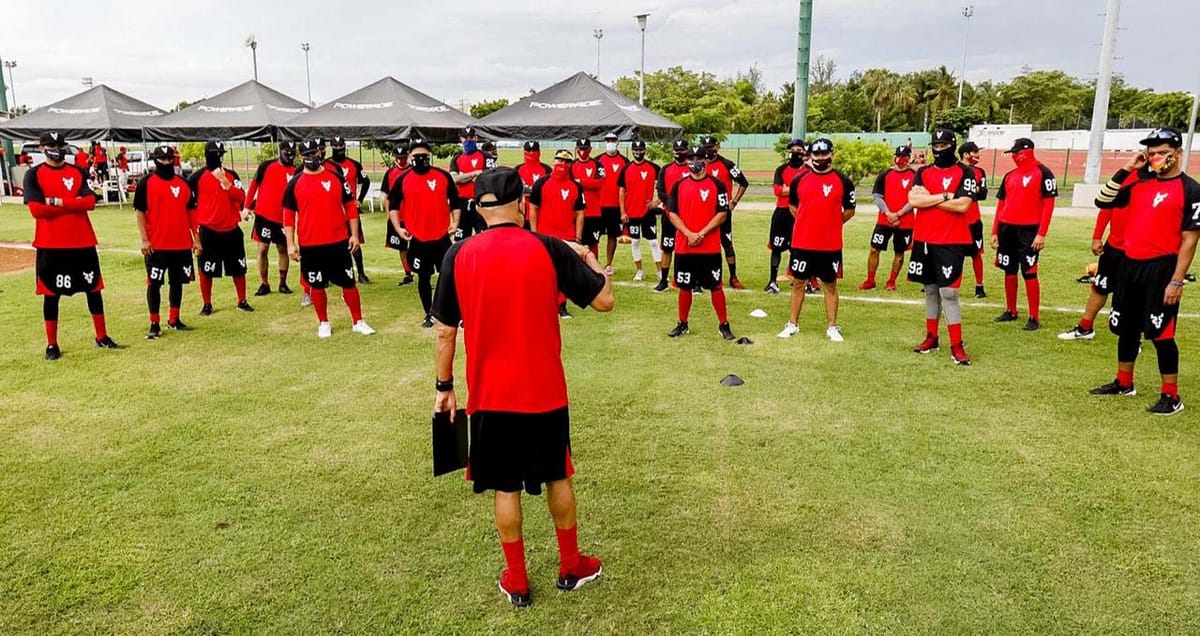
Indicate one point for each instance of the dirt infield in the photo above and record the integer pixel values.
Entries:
(15, 259)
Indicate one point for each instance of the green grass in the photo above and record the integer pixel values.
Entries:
(248, 478)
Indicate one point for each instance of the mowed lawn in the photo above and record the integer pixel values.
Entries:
(248, 478)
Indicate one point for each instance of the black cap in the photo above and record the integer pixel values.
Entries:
(401, 149)
(969, 146)
(821, 145)
(503, 183)
(418, 142)
(287, 145)
(1022, 143)
(50, 138)
(903, 151)
(637, 144)
(943, 136)
(708, 141)
(162, 152)
(680, 145)
(312, 144)
(338, 142)
(487, 146)
(214, 147)
(469, 131)
(796, 141)
(1160, 136)
(697, 152)
(532, 146)
(583, 142)
(611, 136)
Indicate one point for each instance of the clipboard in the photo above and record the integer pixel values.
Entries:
(449, 442)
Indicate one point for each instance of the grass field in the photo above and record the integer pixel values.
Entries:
(248, 478)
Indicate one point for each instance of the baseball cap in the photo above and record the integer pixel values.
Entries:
(697, 151)
(1168, 136)
(903, 151)
(583, 142)
(821, 145)
(162, 152)
(1022, 143)
(287, 145)
(796, 141)
(312, 144)
(680, 145)
(708, 141)
(969, 146)
(401, 149)
(944, 136)
(418, 142)
(637, 144)
(469, 131)
(502, 183)
(532, 146)
(611, 136)
(50, 138)
(487, 146)
(337, 142)
(214, 146)
(562, 154)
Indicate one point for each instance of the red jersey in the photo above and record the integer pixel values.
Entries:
(82, 159)
(319, 206)
(511, 331)
(165, 204)
(1115, 219)
(727, 172)
(265, 195)
(893, 185)
(532, 172)
(1026, 197)
(819, 200)
(609, 191)
(216, 208)
(671, 174)
(638, 181)
(981, 192)
(784, 175)
(66, 226)
(463, 163)
(122, 162)
(425, 201)
(352, 172)
(697, 201)
(559, 200)
(1159, 212)
(590, 175)
(935, 225)
(101, 155)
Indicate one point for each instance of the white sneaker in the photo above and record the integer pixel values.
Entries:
(834, 334)
(639, 276)
(324, 330)
(306, 301)
(362, 327)
(789, 330)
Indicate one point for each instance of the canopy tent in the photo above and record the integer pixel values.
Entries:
(385, 110)
(578, 106)
(97, 113)
(249, 111)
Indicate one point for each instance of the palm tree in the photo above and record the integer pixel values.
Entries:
(943, 89)
(887, 90)
(987, 99)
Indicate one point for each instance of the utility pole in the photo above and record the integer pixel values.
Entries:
(253, 44)
(1187, 148)
(641, 18)
(1091, 173)
(12, 83)
(307, 77)
(967, 12)
(803, 50)
(87, 81)
(9, 159)
(599, 35)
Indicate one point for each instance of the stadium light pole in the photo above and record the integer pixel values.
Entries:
(641, 18)
(9, 158)
(1187, 149)
(87, 81)
(253, 44)
(307, 77)
(1091, 172)
(967, 12)
(599, 35)
(12, 83)
(803, 50)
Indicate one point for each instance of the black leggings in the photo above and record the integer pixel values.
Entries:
(95, 303)
(1128, 347)
(425, 290)
(154, 295)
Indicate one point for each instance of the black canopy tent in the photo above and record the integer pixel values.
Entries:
(249, 111)
(384, 110)
(578, 106)
(97, 113)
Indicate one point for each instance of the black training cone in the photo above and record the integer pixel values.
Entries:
(731, 380)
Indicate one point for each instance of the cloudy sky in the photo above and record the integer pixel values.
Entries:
(470, 50)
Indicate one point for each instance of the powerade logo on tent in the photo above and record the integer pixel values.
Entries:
(284, 109)
(225, 109)
(73, 111)
(633, 108)
(138, 113)
(565, 105)
(429, 109)
(375, 106)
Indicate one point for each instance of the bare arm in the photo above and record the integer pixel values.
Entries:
(447, 339)
(1183, 262)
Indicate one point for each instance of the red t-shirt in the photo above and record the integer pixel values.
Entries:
(671, 174)
(82, 159)
(165, 204)
(697, 201)
(122, 162)
(1158, 211)
(558, 199)
(1022, 196)
(981, 192)
(935, 225)
(101, 155)
(819, 200)
(266, 189)
(893, 185)
(1115, 219)
(638, 180)
(216, 208)
(462, 163)
(727, 172)
(532, 172)
(352, 172)
(511, 330)
(590, 175)
(66, 226)
(609, 190)
(784, 175)
(425, 202)
(319, 206)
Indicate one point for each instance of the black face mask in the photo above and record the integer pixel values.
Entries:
(420, 163)
(681, 159)
(821, 165)
(639, 156)
(312, 162)
(944, 158)
(698, 166)
(796, 159)
(56, 154)
(287, 158)
(212, 161)
(164, 170)
(339, 154)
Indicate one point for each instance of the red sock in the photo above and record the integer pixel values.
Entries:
(977, 263)
(98, 324)
(1125, 378)
(320, 302)
(354, 302)
(955, 334)
(568, 548)
(239, 283)
(172, 315)
(892, 277)
(870, 278)
(1087, 325)
(514, 562)
(718, 302)
(1170, 388)
(404, 263)
(595, 250)
(931, 326)
(1033, 289)
(52, 332)
(1010, 292)
(685, 304)
(206, 289)
(154, 318)
(304, 285)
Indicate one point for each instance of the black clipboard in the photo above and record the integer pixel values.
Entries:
(449, 442)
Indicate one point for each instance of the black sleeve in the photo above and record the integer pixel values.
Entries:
(33, 189)
(383, 183)
(454, 165)
(621, 176)
(578, 282)
(445, 298)
(347, 195)
(535, 194)
(660, 186)
(1191, 204)
(289, 194)
(193, 182)
(793, 198)
(139, 196)
(580, 201)
(919, 179)
(1000, 192)
(364, 182)
(546, 171)
(880, 183)
(966, 186)
(849, 196)
(778, 180)
(671, 200)
(722, 197)
(452, 192)
(736, 173)
(85, 188)
(237, 181)
(396, 192)
(981, 188)
(1049, 184)
(261, 173)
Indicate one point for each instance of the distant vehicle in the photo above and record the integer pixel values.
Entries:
(34, 151)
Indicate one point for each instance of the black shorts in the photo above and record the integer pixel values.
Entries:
(727, 233)
(698, 271)
(782, 224)
(1137, 306)
(425, 257)
(511, 452)
(1015, 252)
(643, 228)
(667, 236)
(593, 229)
(470, 222)
(222, 253)
(394, 241)
(102, 169)
(1107, 270)
(267, 231)
(821, 264)
(176, 263)
(321, 265)
(65, 272)
(977, 236)
(901, 239)
(611, 217)
(940, 265)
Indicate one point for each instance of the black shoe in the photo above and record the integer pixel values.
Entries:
(155, 332)
(407, 280)
(206, 310)
(244, 306)
(563, 313)
(362, 278)
(680, 329)
(1166, 405)
(726, 331)
(1114, 388)
(1032, 325)
(979, 293)
(263, 290)
(284, 289)
(1008, 316)
(772, 288)
(107, 343)
(662, 286)
(428, 322)
(178, 326)
(518, 599)
(53, 352)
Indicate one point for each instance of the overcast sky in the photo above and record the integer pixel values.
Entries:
(470, 50)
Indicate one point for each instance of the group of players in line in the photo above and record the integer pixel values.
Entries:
(310, 214)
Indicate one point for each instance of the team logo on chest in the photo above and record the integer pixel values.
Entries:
(904, 183)
(645, 175)
(474, 163)
(588, 171)
(536, 177)
(704, 195)
(946, 182)
(327, 185)
(827, 189)
(69, 183)
(432, 183)
(1160, 197)
(175, 191)
(716, 172)
(565, 194)
(1025, 181)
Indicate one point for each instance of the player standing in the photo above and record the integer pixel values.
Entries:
(394, 242)
(1025, 205)
(555, 208)
(531, 170)
(166, 226)
(265, 199)
(782, 221)
(636, 183)
(895, 220)
(969, 153)
(465, 167)
(590, 174)
(359, 182)
(671, 174)
(217, 197)
(728, 173)
(613, 163)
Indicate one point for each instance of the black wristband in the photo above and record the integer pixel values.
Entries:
(444, 385)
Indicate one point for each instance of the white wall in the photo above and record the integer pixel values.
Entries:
(1001, 137)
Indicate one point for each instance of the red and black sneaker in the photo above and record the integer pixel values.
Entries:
(928, 345)
(959, 355)
(585, 571)
(516, 594)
